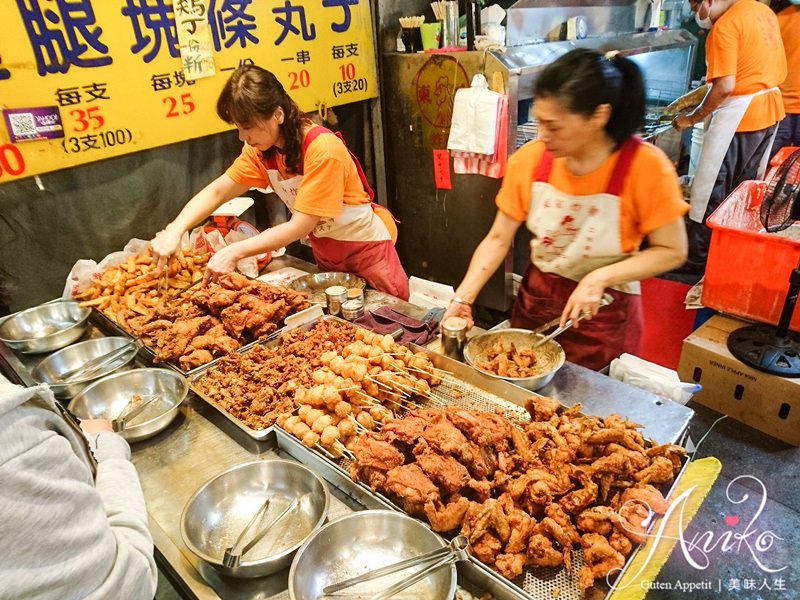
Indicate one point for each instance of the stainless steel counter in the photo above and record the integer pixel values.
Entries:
(201, 443)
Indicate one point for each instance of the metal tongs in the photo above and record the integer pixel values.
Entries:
(131, 411)
(604, 301)
(233, 554)
(95, 364)
(455, 551)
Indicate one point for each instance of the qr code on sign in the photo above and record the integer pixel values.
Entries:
(22, 124)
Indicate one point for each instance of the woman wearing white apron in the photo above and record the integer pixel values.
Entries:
(746, 62)
(314, 174)
(589, 191)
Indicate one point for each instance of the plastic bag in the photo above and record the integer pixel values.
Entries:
(653, 378)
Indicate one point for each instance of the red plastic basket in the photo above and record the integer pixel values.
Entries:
(747, 273)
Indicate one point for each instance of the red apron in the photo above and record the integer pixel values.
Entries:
(542, 295)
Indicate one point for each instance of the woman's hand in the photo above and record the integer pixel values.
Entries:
(457, 309)
(96, 425)
(223, 261)
(165, 246)
(585, 299)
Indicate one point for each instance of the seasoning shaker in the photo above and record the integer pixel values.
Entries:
(352, 309)
(336, 295)
(355, 293)
(454, 334)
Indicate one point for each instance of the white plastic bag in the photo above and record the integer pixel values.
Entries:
(474, 123)
(652, 377)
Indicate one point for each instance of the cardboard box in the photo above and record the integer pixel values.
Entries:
(766, 402)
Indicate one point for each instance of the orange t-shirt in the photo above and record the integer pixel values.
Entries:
(789, 22)
(330, 177)
(651, 195)
(746, 42)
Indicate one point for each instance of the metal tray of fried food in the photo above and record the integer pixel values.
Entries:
(466, 388)
(272, 341)
(334, 473)
(109, 326)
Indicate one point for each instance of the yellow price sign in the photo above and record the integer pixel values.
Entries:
(86, 80)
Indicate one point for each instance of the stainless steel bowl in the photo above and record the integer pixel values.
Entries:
(107, 397)
(550, 356)
(218, 512)
(54, 366)
(45, 328)
(363, 541)
(315, 284)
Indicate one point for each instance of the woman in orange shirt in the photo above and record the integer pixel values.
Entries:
(589, 191)
(312, 172)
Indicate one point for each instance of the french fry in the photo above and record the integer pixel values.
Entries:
(131, 263)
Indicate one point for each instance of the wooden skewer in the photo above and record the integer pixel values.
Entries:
(341, 448)
(324, 451)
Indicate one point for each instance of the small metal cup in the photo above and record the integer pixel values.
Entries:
(454, 334)
(336, 295)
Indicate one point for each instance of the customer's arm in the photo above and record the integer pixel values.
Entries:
(65, 535)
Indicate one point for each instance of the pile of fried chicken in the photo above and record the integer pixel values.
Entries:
(525, 494)
(214, 320)
(259, 385)
(507, 361)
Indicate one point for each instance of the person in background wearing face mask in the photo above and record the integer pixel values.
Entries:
(788, 12)
(746, 63)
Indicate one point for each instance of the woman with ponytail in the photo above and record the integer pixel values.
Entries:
(314, 174)
(590, 192)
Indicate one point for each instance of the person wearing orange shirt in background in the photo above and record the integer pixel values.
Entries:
(589, 191)
(313, 173)
(789, 22)
(746, 62)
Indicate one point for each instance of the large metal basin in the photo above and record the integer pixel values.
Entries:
(315, 284)
(550, 356)
(45, 328)
(218, 512)
(364, 541)
(107, 397)
(51, 369)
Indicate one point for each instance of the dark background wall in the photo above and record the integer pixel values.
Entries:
(92, 210)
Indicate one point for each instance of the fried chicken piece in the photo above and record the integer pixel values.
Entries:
(444, 470)
(234, 281)
(549, 528)
(598, 519)
(620, 542)
(195, 358)
(615, 464)
(541, 552)
(448, 517)
(445, 437)
(637, 458)
(234, 318)
(520, 522)
(647, 494)
(522, 447)
(485, 429)
(542, 408)
(577, 500)
(214, 339)
(634, 518)
(557, 514)
(371, 452)
(486, 548)
(412, 486)
(408, 430)
(490, 514)
(671, 451)
(659, 471)
(600, 557)
(510, 565)
(481, 487)
(181, 334)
